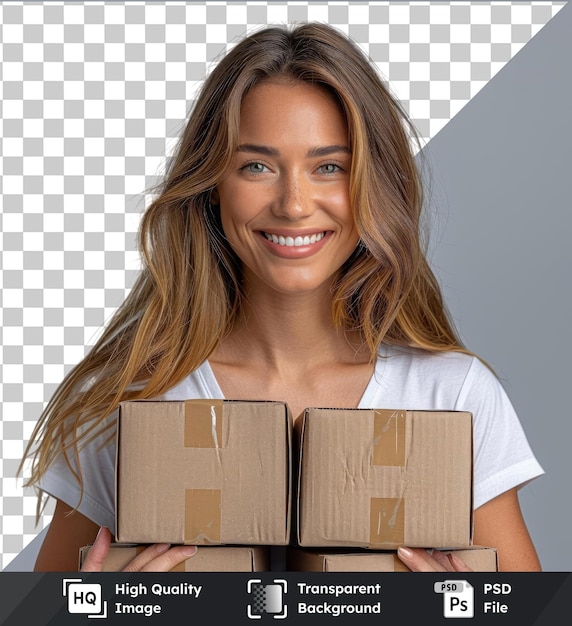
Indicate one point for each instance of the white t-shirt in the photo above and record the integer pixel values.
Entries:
(403, 379)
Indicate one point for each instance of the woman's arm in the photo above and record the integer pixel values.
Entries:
(497, 524)
(70, 530)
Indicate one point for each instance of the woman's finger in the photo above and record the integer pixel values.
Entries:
(146, 556)
(93, 562)
(166, 561)
(458, 564)
(443, 559)
(419, 560)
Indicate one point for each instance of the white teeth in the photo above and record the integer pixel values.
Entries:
(291, 242)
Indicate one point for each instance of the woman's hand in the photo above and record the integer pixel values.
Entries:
(419, 560)
(159, 557)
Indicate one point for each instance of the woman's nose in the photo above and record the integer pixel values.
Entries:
(293, 199)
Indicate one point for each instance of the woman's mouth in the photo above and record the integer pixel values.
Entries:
(295, 242)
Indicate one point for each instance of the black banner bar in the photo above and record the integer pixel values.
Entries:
(526, 599)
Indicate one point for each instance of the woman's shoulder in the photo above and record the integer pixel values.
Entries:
(200, 383)
(411, 376)
(441, 361)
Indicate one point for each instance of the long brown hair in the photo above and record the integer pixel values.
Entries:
(188, 294)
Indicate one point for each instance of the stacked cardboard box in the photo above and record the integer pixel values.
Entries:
(204, 472)
(375, 479)
(478, 558)
(207, 473)
(218, 473)
(381, 478)
(207, 558)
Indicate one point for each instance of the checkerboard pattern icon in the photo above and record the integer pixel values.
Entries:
(93, 97)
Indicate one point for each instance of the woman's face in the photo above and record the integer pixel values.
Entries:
(284, 204)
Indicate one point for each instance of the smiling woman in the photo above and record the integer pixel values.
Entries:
(282, 261)
(284, 204)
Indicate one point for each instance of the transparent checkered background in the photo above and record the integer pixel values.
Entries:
(93, 96)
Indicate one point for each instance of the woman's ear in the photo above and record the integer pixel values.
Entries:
(214, 198)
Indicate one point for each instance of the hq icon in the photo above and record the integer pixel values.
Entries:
(84, 598)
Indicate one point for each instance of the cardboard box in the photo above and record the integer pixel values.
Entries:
(378, 479)
(203, 472)
(478, 558)
(207, 558)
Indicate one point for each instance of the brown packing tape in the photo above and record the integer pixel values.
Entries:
(386, 521)
(181, 567)
(387, 515)
(203, 429)
(203, 423)
(389, 437)
(202, 515)
(399, 565)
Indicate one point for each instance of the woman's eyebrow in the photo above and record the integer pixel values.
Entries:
(327, 150)
(313, 152)
(250, 147)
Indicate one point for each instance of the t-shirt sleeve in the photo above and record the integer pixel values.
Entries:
(97, 464)
(503, 458)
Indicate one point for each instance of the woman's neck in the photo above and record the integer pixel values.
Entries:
(287, 349)
(282, 331)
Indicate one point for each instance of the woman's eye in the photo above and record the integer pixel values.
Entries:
(329, 168)
(255, 168)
